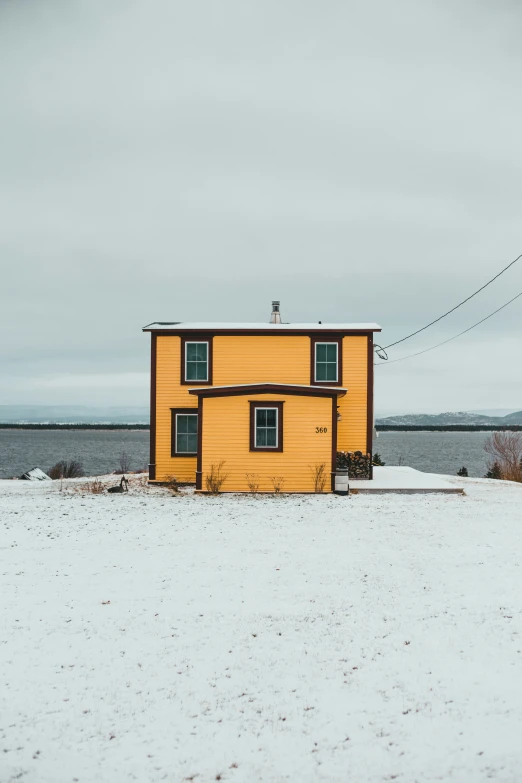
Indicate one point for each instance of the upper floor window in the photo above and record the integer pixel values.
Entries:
(326, 362)
(196, 361)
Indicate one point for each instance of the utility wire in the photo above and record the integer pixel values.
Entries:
(453, 308)
(411, 355)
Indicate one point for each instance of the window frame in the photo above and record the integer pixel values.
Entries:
(175, 412)
(196, 338)
(326, 340)
(264, 405)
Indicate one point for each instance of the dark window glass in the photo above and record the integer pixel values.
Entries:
(266, 427)
(326, 362)
(196, 360)
(186, 433)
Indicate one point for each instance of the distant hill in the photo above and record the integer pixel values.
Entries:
(73, 414)
(449, 419)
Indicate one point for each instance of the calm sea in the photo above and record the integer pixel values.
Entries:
(99, 450)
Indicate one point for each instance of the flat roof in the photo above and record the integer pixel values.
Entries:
(217, 326)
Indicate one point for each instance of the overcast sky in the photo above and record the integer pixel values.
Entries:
(174, 160)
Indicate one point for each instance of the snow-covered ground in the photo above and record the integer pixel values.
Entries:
(146, 637)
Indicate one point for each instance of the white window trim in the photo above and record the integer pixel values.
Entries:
(336, 362)
(196, 342)
(189, 453)
(276, 428)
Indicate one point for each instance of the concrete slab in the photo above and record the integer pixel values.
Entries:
(400, 478)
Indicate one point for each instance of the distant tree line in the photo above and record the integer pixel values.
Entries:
(448, 428)
(74, 426)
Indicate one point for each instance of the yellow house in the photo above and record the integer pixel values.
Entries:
(263, 405)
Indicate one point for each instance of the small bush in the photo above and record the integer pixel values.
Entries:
(125, 463)
(172, 484)
(71, 468)
(252, 480)
(95, 487)
(319, 476)
(376, 459)
(494, 471)
(277, 483)
(463, 472)
(216, 478)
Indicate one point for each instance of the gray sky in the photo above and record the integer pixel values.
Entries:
(168, 160)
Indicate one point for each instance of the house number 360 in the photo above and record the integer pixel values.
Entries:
(321, 429)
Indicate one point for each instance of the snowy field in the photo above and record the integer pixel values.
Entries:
(147, 637)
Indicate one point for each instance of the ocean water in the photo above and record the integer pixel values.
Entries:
(99, 450)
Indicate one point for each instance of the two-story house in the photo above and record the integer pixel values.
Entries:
(267, 400)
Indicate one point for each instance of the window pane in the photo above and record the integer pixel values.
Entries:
(331, 372)
(320, 372)
(181, 443)
(201, 352)
(192, 443)
(261, 417)
(192, 423)
(260, 437)
(331, 352)
(320, 353)
(270, 417)
(271, 437)
(201, 371)
(192, 372)
(192, 351)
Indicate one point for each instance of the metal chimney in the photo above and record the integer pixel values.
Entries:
(275, 318)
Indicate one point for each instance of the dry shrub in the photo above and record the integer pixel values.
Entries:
(277, 483)
(172, 484)
(125, 463)
(506, 450)
(216, 478)
(252, 480)
(319, 476)
(95, 487)
(66, 468)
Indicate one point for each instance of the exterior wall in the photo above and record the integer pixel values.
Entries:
(169, 394)
(226, 437)
(261, 359)
(257, 359)
(353, 407)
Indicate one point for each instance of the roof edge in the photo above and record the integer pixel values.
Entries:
(268, 388)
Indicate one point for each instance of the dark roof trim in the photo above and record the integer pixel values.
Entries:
(274, 333)
(272, 388)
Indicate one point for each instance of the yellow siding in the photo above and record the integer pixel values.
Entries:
(261, 359)
(257, 359)
(169, 394)
(226, 437)
(351, 430)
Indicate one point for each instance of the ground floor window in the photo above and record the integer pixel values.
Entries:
(184, 432)
(266, 426)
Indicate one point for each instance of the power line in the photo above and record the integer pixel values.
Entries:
(453, 308)
(411, 355)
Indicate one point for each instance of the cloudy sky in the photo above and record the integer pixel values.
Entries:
(165, 160)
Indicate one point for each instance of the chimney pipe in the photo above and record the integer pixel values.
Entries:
(275, 318)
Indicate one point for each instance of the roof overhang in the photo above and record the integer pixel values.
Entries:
(179, 328)
(269, 388)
